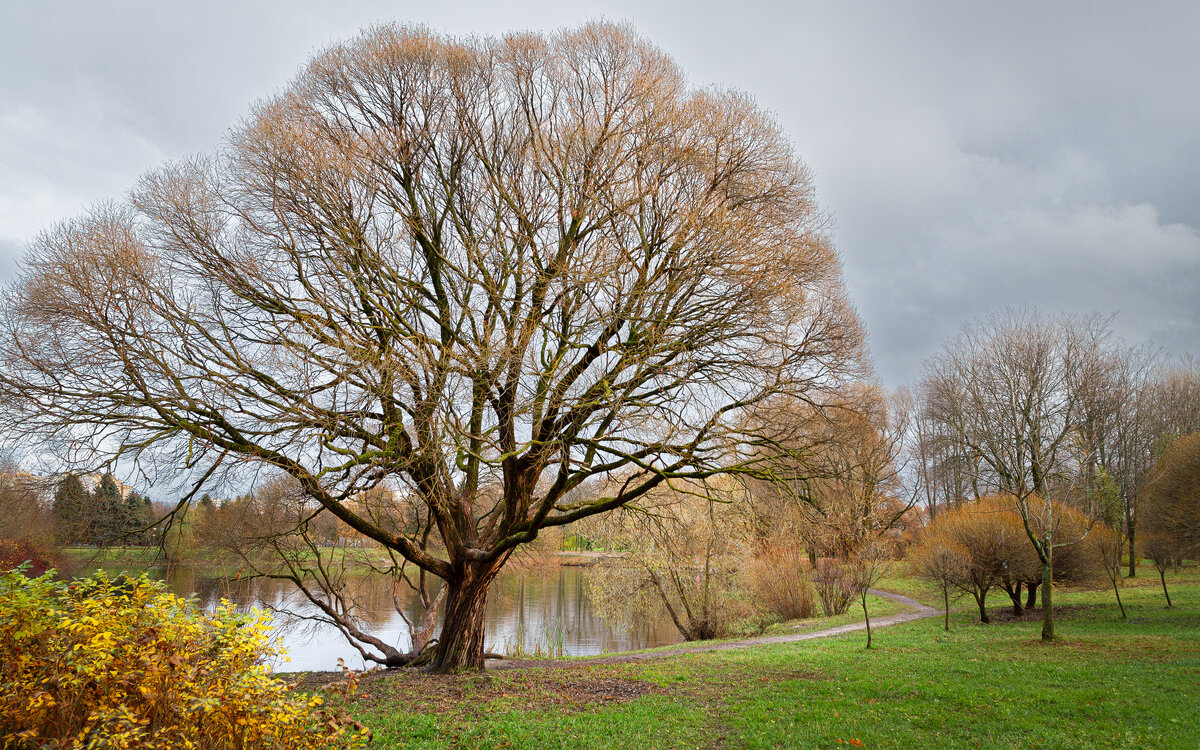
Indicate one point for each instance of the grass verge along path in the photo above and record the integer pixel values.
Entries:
(1106, 683)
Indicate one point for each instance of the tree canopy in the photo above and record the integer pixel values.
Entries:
(479, 272)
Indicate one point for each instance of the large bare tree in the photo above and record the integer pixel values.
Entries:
(508, 264)
(1012, 391)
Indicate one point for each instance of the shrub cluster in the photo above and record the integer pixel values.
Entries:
(983, 545)
(34, 556)
(779, 582)
(124, 664)
(834, 585)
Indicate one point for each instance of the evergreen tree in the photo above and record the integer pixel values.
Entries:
(137, 517)
(73, 511)
(109, 510)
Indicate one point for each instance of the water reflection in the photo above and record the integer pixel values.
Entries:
(535, 607)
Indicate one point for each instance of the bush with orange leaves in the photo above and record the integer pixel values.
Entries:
(124, 664)
(983, 545)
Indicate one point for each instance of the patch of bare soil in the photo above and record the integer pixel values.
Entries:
(571, 688)
(1140, 648)
(1033, 614)
(476, 693)
(309, 681)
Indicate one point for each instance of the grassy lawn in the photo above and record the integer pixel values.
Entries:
(1106, 683)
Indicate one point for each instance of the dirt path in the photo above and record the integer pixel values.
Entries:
(920, 612)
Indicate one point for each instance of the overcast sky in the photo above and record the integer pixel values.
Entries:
(973, 156)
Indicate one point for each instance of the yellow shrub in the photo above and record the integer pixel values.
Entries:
(124, 664)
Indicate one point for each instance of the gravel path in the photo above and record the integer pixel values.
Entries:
(920, 612)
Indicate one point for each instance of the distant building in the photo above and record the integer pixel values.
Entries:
(92, 481)
(45, 486)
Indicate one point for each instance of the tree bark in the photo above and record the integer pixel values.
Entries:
(1031, 599)
(1162, 576)
(983, 615)
(1117, 591)
(946, 597)
(460, 645)
(1047, 603)
(1132, 552)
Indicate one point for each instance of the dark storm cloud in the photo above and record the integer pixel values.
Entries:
(973, 156)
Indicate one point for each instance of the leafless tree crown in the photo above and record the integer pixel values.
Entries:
(446, 265)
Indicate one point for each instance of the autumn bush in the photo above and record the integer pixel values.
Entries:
(834, 583)
(32, 557)
(983, 545)
(124, 664)
(779, 580)
(26, 533)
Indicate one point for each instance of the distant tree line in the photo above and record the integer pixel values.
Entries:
(1074, 430)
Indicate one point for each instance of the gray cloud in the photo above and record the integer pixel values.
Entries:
(10, 254)
(972, 156)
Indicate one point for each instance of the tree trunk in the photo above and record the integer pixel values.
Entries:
(1162, 576)
(946, 597)
(867, 617)
(1031, 599)
(1117, 591)
(460, 645)
(1014, 593)
(983, 615)
(1132, 553)
(1047, 603)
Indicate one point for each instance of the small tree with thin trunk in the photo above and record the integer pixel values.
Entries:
(1162, 550)
(1107, 546)
(940, 562)
(866, 568)
(976, 534)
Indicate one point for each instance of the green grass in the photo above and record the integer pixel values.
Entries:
(913, 588)
(877, 606)
(1105, 683)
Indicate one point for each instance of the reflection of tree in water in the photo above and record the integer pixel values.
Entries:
(544, 603)
(540, 602)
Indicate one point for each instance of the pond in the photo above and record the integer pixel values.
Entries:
(535, 608)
